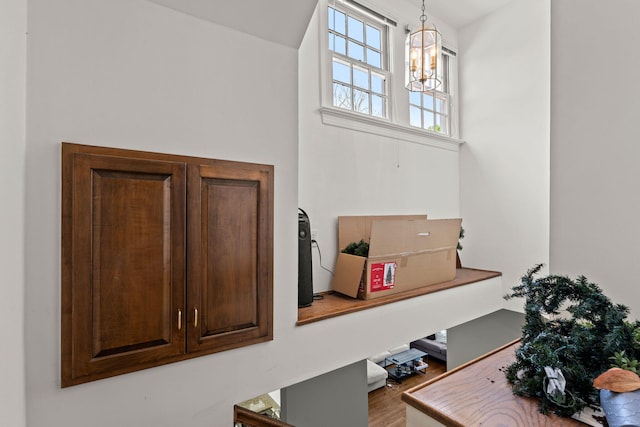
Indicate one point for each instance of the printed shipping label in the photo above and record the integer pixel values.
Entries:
(383, 276)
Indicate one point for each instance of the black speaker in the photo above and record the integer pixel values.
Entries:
(305, 273)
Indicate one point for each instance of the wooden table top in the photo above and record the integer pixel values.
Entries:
(478, 394)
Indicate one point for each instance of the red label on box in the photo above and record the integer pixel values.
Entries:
(383, 276)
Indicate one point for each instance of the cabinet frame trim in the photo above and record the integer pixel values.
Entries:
(180, 310)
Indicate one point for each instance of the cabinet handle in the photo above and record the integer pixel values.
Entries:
(179, 319)
(195, 317)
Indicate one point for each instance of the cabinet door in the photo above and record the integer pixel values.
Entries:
(123, 282)
(230, 247)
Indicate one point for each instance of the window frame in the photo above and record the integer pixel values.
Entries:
(397, 123)
(449, 113)
(383, 71)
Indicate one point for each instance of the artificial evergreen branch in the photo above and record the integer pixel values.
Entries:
(360, 249)
(580, 342)
(460, 237)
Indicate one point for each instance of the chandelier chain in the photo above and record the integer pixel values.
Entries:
(423, 17)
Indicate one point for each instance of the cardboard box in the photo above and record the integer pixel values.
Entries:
(405, 252)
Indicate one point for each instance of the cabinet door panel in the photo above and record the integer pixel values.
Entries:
(230, 257)
(127, 269)
(132, 278)
(230, 230)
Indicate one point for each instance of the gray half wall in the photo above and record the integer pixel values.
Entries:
(469, 340)
(337, 398)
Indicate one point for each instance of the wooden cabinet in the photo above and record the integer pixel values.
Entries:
(164, 258)
(229, 256)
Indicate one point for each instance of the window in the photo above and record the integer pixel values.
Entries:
(432, 110)
(359, 63)
(362, 77)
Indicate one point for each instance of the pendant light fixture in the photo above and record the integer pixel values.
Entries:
(423, 50)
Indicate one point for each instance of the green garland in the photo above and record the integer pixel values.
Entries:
(360, 249)
(580, 343)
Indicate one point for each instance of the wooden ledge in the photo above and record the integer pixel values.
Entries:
(334, 304)
(478, 393)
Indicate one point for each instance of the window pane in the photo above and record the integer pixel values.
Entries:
(428, 121)
(341, 96)
(445, 74)
(441, 104)
(338, 44)
(341, 72)
(377, 106)
(427, 101)
(414, 116)
(414, 98)
(359, 63)
(356, 51)
(377, 83)
(373, 37)
(356, 31)
(332, 11)
(360, 78)
(441, 124)
(337, 21)
(361, 101)
(373, 58)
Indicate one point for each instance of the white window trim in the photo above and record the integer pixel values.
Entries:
(454, 111)
(326, 98)
(359, 122)
(452, 99)
(353, 120)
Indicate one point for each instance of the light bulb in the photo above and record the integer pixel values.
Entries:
(414, 60)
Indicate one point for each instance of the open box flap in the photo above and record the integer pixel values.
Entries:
(347, 275)
(399, 238)
(352, 229)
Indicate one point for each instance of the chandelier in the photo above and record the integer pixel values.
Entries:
(422, 56)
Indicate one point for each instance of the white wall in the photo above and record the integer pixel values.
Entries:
(594, 199)
(348, 172)
(504, 165)
(132, 74)
(13, 27)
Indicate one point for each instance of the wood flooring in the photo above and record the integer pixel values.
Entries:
(386, 409)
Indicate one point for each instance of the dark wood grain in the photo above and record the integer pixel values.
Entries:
(126, 266)
(386, 408)
(334, 304)
(478, 393)
(229, 262)
(127, 275)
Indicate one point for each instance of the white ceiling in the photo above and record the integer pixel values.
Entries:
(459, 13)
(279, 21)
(264, 19)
